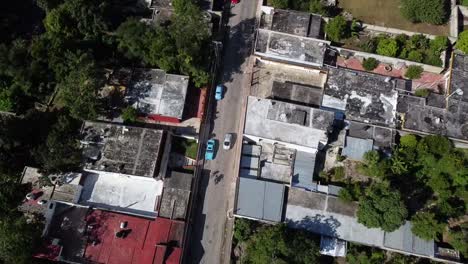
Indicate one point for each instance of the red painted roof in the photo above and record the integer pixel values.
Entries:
(138, 246)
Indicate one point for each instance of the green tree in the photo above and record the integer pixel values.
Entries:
(415, 55)
(414, 72)
(462, 42)
(364, 255)
(370, 64)
(337, 28)
(387, 47)
(439, 44)
(316, 6)
(458, 237)
(382, 207)
(129, 114)
(61, 152)
(134, 38)
(409, 141)
(426, 226)
(428, 11)
(282, 4)
(373, 164)
(243, 229)
(11, 195)
(18, 239)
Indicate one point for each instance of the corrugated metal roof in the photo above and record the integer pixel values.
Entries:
(260, 199)
(251, 150)
(355, 148)
(403, 239)
(250, 162)
(304, 166)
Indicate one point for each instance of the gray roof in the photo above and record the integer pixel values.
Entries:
(251, 150)
(249, 162)
(383, 137)
(304, 166)
(289, 123)
(290, 48)
(154, 92)
(297, 23)
(459, 77)
(122, 149)
(363, 96)
(355, 148)
(419, 116)
(260, 200)
(176, 195)
(403, 239)
(293, 92)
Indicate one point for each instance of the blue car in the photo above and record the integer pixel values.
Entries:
(219, 92)
(210, 149)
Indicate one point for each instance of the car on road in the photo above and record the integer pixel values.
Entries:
(219, 93)
(227, 143)
(210, 149)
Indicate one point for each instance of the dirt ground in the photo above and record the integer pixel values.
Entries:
(386, 13)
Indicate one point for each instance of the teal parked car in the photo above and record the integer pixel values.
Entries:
(210, 149)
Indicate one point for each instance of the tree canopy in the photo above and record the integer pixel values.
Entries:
(462, 42)
(382, 207)
(337, 28)
(426, 226)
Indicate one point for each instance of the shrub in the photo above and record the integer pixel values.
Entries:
(316, 6)
(370, 64)
(129, 114)
(337, 28)
(422, 92)
(426, 226)
(345, 195)
(428, 11)
(462, 42)
(432, 58)
(387, 47)
(339, 173)
(414, 72)
(409, 141)
(279, 3)
(370, 45)
(415, 55)
(439, 44)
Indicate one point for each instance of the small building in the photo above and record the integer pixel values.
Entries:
(297, 23)
(124, 149)
(158, 95)
(363, 96)
(259, 200)
(293, 126)
(355, 148)
(289, 48)
(176, 195)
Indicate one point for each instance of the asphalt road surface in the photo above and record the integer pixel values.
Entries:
(212, 228)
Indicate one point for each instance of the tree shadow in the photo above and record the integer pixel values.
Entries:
(239, 43)
(318, 224)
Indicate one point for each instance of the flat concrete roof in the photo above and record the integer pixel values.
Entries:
(419, 116)
(288, 123)
(122, 193)
(293, 92)
(290, 48)
(154, 92)
(363, 96)
(176, 195)
(260, 200)
(297, 23)
(122, 149)
(459, 77)
(383, 137)
(276, 162)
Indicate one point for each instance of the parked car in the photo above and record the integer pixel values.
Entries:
(219, 93)
(227, 141)
(210, 149)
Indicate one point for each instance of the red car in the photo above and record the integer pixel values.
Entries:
(233, 2)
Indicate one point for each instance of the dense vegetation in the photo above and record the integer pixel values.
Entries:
(274, 244)
(52, 59)
(462, 42)
(436, 168)
(427, 11)
(313, 6)
(416, 48)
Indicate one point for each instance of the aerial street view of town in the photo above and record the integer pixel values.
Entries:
(234, 131)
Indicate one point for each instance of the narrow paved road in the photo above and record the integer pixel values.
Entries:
(212, 228)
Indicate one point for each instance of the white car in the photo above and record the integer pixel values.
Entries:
(227, 141)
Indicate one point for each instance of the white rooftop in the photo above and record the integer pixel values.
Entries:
(120, 192)
(299, 126)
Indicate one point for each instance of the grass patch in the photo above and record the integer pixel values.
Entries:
(386, 13)
(186, 147)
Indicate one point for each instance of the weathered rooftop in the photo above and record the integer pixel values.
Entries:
(293, 92)
(290, 48)
(122, 193)
(383, 137)
(260, 200)
(459, 77)
(154, 92)
(300, 126)
(122, 149)
(419, 116)
(355, 148)
(363, 96)
(297, 23)
(176, 195)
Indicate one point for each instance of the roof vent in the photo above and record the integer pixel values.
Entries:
(123, 224)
